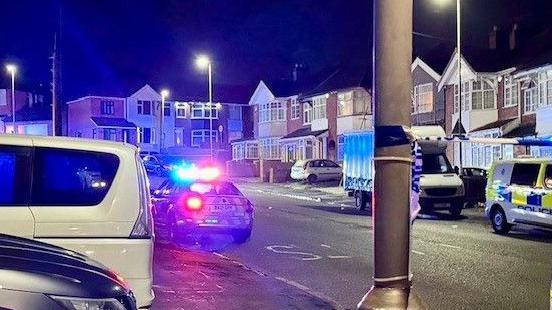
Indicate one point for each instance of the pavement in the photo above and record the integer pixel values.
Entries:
(319, 252)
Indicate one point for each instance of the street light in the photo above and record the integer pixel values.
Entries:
(202, 62)
(12, 69)
(164, 95)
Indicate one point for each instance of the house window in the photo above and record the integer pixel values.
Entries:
(456, 107)
(234, 112)
(180, 110)
(531, 99)
(144, 107)
(345, 103)
(200, 138)
(307, 113)
(108, 107)
(271, 112)
(465, 99)
(245, 150)
(270, 148)
(319, 108)
(295, 109)
(167, 109)
(511, 90)
(482, 95)
(251, 150)
(545, 88)
(110, 134)
(146, 135)
(204, 110)
(423, 98)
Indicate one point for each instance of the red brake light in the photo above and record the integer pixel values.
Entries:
(210, 174)
(194, 203)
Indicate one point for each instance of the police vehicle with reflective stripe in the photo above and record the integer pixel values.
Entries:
(519, 191)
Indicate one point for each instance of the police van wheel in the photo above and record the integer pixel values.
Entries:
(499, 223)
(360, 201)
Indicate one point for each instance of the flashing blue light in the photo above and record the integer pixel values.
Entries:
(186, 173)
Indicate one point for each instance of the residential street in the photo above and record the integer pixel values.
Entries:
(323, 248)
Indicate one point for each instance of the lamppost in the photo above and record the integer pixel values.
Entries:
(203, 62)
(12, 69)
(164, 95)
(459, 66)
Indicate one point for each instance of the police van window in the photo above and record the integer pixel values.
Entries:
(525, 174)
(71, 177)
(548, 177)
(15, 175)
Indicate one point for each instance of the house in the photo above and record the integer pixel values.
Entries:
(428, 101)
(304, 120)
(103, 118)
(33, 114)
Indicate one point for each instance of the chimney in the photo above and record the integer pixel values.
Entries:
(296, 69)
(513, 37)
(493, 38)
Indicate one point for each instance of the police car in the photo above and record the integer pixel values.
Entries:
(196, 200)
(519, 191)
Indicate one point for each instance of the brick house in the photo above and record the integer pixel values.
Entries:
(32, 113)
(102, 118)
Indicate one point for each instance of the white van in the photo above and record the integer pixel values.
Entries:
(440, 184)
(89, 196)
(519, 191)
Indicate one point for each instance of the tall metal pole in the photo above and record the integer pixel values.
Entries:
(161, 119)
(13, 98)
(54, 88)
(210, 111)
(391, 192)
(459, 65)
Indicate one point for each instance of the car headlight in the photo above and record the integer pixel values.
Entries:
(75, 303)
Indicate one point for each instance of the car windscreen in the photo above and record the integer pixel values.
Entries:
(435, 164)
(204, 188)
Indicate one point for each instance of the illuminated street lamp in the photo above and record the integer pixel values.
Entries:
(203, 62)
(164, 95)
(12, 69)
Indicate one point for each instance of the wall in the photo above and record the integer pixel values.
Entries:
(79, 118)
(272, 129)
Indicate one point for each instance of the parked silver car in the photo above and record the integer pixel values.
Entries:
(314, 170)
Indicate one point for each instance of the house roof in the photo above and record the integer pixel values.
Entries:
(284, 88)
(496, 124)
(438, 57)
(28, 114)
(112, 122)
(525, 130)
(347, 75)
(304, 132)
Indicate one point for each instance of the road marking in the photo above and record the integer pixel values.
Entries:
(449, 246)
(307, 256)
(418, 252)
(325, 246)
(338, 256)
(300, 286)
(220, 255)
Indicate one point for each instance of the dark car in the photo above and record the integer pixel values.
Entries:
(36, 275)
(475, 182)
(199, 207)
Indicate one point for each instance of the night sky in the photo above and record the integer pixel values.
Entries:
(113, 46)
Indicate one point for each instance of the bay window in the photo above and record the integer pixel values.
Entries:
(270, 148)
(200, 138)
(545, 88)
(531, 95)
(307, 113)
(271, 112)
(245, 150)
(295, 109)
(478, 94)
(204, 110)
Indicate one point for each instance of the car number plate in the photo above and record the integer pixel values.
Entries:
(441, 205)
(222, 208)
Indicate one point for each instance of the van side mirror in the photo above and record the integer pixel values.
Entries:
(457, 170)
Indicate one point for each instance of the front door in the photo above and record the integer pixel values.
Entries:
(15, 184)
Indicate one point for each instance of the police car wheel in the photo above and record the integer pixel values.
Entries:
(499, 223)
(311, 179)
(360, 201)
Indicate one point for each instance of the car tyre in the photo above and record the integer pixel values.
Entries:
(241, 236)
(360, 201)
(311, 179)
(456, 208)
(499, 222)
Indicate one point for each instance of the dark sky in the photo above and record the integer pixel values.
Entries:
(114, 46)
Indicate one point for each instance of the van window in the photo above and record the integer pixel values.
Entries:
(15, 175)
(525, 174)
(71, 177)
(435, 164)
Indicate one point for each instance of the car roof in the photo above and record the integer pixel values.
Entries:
(524, 160)
(66, 142)
(32, 266)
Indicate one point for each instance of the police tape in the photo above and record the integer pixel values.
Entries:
(515, 141)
